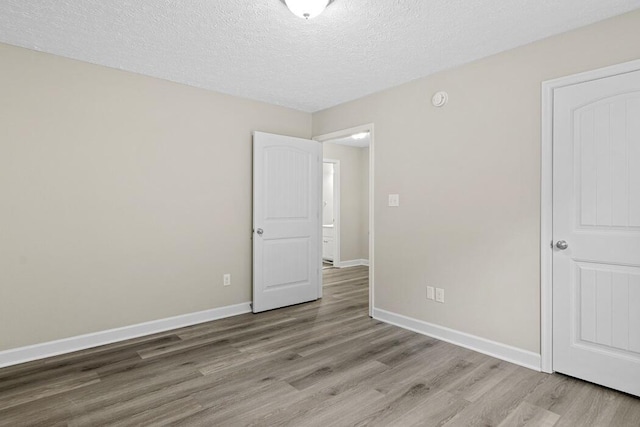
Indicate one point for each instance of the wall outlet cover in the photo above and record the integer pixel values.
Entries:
(431, 293)
(440, 295)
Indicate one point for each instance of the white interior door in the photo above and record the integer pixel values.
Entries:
(596, 211)
(287, 180)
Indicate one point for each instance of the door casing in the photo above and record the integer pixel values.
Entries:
(546, 199)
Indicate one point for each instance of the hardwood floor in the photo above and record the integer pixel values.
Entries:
(318, 364)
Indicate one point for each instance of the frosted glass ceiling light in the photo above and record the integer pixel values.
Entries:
(306, 9)
(361, 135)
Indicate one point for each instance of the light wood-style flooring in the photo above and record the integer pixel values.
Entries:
(324, 363)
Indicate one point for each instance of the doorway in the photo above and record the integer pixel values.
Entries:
(330, 213)
(591, 227)
(347, 201)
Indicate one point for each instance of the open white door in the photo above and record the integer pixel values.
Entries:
(596, 231)
(287, 180)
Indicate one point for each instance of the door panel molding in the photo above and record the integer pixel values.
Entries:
(546, 195)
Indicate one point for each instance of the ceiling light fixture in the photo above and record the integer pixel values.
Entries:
(361, 135)
(307, 9)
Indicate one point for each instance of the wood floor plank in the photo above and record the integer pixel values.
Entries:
(322, 363)
(556, 393)
(319, 344)
(321, 394)
(150, 402)
(240, 406)
(163, 415)
(482, 379)
(399, 402)
(498, 403)
(527, 414)
(593, 406)
(628, 412)
(342, 410)
(214, 339)
(109, 392)
(77, 362)
(437, 364)
(303, 331)
(34, 392)
(435, 411)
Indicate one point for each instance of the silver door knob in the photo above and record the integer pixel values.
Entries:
(562, 245)
(259, 231)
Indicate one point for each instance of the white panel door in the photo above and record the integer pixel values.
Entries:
(287, 180)
(596, 211)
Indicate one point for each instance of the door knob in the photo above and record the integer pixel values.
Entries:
(562, 245)
(259, 231)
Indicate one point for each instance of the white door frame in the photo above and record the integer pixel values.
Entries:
(546, 197)
(336, 212)
(341, 134)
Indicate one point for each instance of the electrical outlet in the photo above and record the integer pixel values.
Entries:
(226, 280)
(440, 295)
(431, 292)
(394, 200)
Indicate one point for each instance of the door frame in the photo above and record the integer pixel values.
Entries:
(336, 212)
(546, 198)
(341, 134)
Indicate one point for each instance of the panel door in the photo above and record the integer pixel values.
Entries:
(596, 228)
(287, 182)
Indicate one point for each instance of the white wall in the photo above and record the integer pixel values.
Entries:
(468, 176)
(123, 198)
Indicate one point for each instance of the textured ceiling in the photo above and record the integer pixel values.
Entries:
(259, 50)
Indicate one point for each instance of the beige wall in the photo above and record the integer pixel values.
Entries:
(123, 198)
(354, 199)
(468, 176)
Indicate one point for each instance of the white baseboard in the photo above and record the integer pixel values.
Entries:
(504, 352)
(19, 355)
(354, 263)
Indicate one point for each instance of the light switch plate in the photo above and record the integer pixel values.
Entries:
(439, 295)
(394, 200)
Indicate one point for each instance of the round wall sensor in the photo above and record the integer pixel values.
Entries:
(440, 99)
